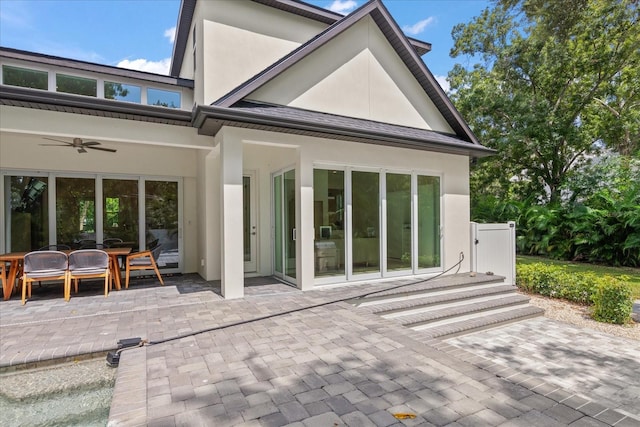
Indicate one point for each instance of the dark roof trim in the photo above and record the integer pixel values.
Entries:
(331, 126)
(57, 61)
(296, 7)
(10, 95)
(187, 7)
(396, 38)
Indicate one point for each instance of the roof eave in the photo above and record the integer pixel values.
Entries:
(228, 115)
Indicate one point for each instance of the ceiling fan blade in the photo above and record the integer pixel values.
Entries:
(110, 150)
(52, 145)
(57, 140)
(86, 144)
(81, 150)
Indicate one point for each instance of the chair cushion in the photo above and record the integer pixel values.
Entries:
(87, 270)
(45, 273)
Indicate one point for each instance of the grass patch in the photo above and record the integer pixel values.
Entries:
(633, 274)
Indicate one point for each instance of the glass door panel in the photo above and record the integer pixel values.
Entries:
(328, 222)
(365, 222)
(249, 207)
(161, 221)
(398, 222)
(27, 225)
(75, 211)
(277, 215)
(120, 211)
(428, 221)
(289, 211)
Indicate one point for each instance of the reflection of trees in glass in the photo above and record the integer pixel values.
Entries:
(165, 104)
(161, 212)
(75, 209)
(29, 216)
(23, 77)
(120, 209)
(366, 189)
(76, 85)
(115, 90)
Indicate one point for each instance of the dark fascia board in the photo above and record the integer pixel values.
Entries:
(452, 145)
(187, 8)
(328, 17)
(183, 28)
(57, 61)
(92, 104)
(397, 39)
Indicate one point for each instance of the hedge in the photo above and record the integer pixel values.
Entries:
(609, 296)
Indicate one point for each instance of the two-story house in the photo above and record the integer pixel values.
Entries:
(287, 140)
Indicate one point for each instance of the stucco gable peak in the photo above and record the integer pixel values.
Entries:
(397, 40)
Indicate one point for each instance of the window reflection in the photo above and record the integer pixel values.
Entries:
(76, 85)
(120, 215)
(75, 211)
(328, 219)
(398, 222)
(23, 77)
(28, 221)
(163, 98)
(161, 220)
(366, 222)
(122, 92)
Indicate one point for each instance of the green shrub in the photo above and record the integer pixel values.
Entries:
(611, 296)
(612, 301)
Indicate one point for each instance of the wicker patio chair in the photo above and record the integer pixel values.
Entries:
(45, 265)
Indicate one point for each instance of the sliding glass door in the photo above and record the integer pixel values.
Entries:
(26, 212)
(284, 218)
(375, 224)
(135, 212)
(365, 220)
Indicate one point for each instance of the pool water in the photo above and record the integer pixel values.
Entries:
(73, 394)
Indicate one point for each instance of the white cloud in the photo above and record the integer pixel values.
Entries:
(442, 81)
(157, 67)
(343, 6)
(418, 27)
(170, 33)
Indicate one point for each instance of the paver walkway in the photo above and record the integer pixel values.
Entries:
(594, 364)
(330, 365)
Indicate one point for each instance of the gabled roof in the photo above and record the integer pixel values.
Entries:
(187, 8)
(396, 39)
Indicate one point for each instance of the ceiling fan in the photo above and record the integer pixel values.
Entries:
(79, 145)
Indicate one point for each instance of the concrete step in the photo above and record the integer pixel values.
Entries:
(436, 299)
(470, 310)
(481, 322)
(440, 285)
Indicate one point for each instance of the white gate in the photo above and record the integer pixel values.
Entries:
(493, 249)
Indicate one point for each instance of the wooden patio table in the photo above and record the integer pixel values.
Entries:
(16, 259)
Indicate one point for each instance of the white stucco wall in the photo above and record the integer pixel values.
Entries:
(268, 152)
(357, 74)
(240, 39)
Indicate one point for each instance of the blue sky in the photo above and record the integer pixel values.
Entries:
(139, 33)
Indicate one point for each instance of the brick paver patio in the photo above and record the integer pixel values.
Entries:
(330, 365)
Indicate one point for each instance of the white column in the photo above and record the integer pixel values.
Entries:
(304, 222)
(232, 254)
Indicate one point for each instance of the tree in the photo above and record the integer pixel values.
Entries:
(554, 83)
